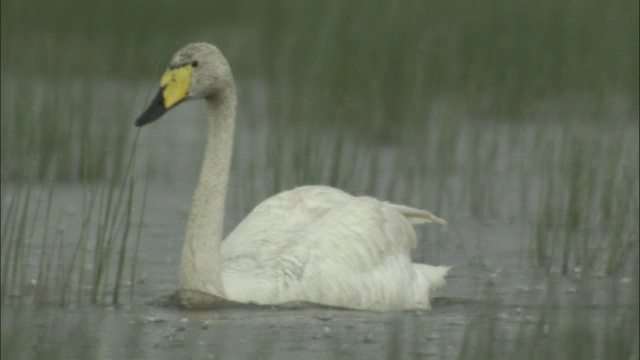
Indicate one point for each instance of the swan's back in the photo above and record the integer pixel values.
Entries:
(322, 245)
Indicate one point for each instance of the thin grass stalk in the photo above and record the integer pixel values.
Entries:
(7, 214)
(372, 174)
(134, 260)
(89, 199)
(101, 247)
(123, 245)
(10, 238)
(88, 207)
(338, 150)
(622, 227)
(98, 249)
(46, 273)
(28, 240)
(71, 264)
(60, 268)
(20, 239)
(116, 224)
(8, 241)
(40, 278)
(79, 251)
(107, 234)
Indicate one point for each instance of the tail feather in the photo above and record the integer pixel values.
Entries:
(428, 279)
(417, 216)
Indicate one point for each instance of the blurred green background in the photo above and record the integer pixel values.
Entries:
(376, 67)
(501, 57)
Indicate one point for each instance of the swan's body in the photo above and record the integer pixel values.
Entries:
(312, 244)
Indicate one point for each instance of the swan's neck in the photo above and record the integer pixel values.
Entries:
(201, 267)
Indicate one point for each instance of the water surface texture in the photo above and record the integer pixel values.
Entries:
(495, 283)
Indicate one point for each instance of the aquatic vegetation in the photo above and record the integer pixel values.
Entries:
(587, 215)
(42, 263)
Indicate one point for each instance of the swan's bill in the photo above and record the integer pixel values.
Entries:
(174, 88)
(175, 84)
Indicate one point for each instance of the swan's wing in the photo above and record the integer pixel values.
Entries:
(322, 245)
(269, 227)
(257, 253)
(358, 256)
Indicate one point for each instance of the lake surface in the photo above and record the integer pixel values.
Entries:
(494, 295)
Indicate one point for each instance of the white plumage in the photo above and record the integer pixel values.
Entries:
(314, 243)
(323, 245)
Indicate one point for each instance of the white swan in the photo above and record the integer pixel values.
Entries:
(312, 244)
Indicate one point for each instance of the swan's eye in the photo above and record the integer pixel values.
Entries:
(194, 64)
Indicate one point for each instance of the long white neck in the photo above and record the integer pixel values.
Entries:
(201, 267)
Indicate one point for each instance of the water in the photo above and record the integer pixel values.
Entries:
(492, 283)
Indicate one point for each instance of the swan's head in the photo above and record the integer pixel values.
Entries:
(197, 71)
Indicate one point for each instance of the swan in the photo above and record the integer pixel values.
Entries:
(312, 244)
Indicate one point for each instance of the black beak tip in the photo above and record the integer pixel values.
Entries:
(142, 120)
(155, 110)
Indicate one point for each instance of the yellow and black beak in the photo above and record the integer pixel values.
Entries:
(174, 88)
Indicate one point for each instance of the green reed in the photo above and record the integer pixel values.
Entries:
(106, 219)
(588, 206)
